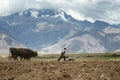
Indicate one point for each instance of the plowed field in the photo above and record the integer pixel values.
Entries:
(53, 70)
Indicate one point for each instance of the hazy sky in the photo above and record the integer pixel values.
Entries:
(106, 10)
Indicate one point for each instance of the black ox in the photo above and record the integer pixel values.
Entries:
(22, 53)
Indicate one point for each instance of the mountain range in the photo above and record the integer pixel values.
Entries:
(50, 30)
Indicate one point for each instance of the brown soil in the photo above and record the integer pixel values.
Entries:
(53, 70)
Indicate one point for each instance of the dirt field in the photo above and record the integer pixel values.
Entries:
(53, 70)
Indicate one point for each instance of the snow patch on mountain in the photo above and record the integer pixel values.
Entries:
(34, 14)
(45, 15)
(110, 30)
(62, 15)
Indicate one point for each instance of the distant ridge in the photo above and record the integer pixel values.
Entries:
(49, 30)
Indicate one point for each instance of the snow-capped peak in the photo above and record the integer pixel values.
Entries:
(53, 13)
(36, 13)
(61, 15)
